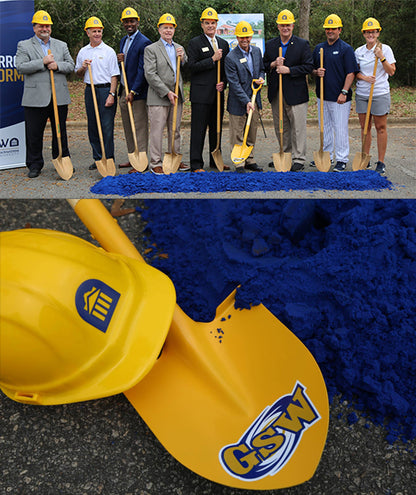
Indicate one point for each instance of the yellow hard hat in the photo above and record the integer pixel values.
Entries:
(76, 323)
(332, 21)
(166, 19)
(93, 22)
(370, 24)
(41, 17)
(209, 14)
(285, 17)
(243, 29)
(129, 13)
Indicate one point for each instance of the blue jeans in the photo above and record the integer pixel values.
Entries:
(107, 115)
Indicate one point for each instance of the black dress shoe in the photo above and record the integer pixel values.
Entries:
(33, 173)
(93, 166)
(271, 165)
(253, 167)
(296, 167)
(240, 170)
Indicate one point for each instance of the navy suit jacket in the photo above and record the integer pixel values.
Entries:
(204, 70)
(134, 65)
(299, 59)
(239, 79)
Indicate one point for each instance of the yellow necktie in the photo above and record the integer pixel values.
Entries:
(214, 44)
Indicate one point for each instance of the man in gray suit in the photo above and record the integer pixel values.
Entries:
(160, 61)
(243, 65)
(34, 61)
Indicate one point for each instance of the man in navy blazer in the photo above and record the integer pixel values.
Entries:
(243, 65)
(132, 54)
(294, 65)
(205, 52)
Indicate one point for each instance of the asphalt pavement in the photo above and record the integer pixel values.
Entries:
(104, 447)
(400, 166)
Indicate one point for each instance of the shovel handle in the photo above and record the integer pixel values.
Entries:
(55, 110)
(370, 99)
(97, 113)
(250, 113)
(130, 110)
(218, 99)
(175, 107)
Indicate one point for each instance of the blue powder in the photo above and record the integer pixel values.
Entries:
(339, 273)
(208, 182)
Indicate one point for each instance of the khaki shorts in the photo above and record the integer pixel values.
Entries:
(379, 106)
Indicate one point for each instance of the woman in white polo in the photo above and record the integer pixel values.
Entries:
(380, 106)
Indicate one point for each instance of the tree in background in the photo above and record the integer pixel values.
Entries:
(397, 18)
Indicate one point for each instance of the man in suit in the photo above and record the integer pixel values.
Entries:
(205, 53)
(160, 59)
(243, 65)
(294, 65)
(34, 61)
(132, 54)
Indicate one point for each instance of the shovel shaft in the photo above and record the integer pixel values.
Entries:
(97, 113)
(55, 112)
(130, 110)
(175, 108)
(370, 99)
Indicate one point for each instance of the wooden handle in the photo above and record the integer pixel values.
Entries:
(280, 104)
(370, 99)
(97, 113)
(175, 108)
(321, 90)
(218, 98)
(129, 108)
(55, 110)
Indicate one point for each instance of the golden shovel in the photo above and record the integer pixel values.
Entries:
(322, 158)
(361, 160)
(138, 159)
(282, 161)
(105, 166)
(241, 152)
(216, 154)
(172, 160)
(62, 164)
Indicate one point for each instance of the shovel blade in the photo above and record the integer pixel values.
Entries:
(106, 167)
(217, 157)
(63, 166)
(322, 160)
(361, 160)
(138, 160)
(171, 162)
(240, 153)
(211, 385)
(282, 161)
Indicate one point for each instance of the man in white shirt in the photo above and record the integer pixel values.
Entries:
(105, 72)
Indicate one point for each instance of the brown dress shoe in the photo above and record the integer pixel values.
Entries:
(124, 165)
(157, 170)
(183, 167)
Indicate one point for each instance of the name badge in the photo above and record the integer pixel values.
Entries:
(205, 49)
(242, 60)
(335, 53)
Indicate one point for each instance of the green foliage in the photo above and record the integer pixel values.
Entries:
(397, 18)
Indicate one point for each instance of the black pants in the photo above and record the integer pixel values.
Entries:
(35, 123)
(203, 116)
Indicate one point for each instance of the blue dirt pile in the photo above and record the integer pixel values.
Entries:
(212, 182)
(340, 274)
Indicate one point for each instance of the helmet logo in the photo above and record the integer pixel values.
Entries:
(45, 17)
(168, 18)
(330, 21)
(284, 17)
(95, 302)
(244, 30)
(273, 437)
(370, 23)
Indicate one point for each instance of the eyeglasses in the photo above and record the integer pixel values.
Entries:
(370, 32)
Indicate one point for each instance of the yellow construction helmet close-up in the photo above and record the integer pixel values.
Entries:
(129, 13)
(76, 322)
(209, 14)
(243, 29)
(370, 24)
(166, 19)
(285, 17)
(41, 17)
(93, 22)
(332, 21)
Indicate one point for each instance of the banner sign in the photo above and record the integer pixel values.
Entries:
(15, 25)
(227, 23)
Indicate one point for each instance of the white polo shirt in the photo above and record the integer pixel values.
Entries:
(104, 63)
(365, 59)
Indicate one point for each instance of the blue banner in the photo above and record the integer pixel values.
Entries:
(15, 25)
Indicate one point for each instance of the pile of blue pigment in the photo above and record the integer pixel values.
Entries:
(211, 182)
(340, 274)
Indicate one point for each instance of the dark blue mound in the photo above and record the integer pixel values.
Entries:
(341, 274)
(209, 182)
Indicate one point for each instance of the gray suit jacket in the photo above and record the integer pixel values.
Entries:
(37, 88)
(160, 75)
